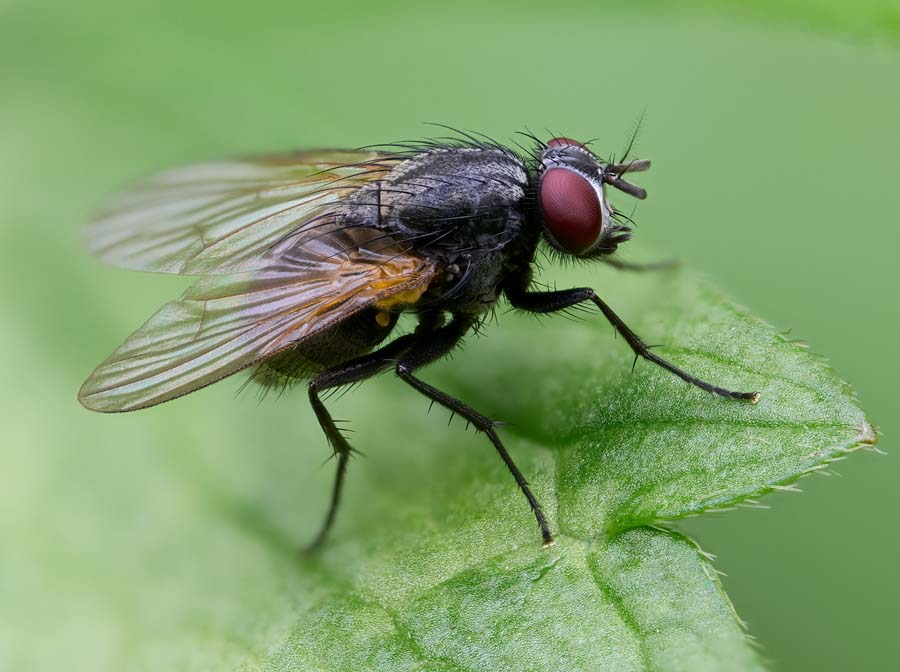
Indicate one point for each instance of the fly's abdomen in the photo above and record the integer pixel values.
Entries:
(350, 338)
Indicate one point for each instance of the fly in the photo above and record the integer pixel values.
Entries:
(306, 261)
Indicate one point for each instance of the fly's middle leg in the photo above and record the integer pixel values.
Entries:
(434, 346)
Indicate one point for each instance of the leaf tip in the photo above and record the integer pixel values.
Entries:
(867, 435)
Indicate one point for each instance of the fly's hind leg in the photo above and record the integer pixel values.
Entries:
(354, 371)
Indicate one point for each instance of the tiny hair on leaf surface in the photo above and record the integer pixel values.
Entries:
(436, 563)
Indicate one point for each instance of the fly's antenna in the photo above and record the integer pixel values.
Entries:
(633, 166)
(612, 175)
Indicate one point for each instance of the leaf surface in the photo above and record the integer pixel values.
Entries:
(437, 565)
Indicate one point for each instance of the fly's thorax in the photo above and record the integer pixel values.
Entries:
(465, 208)
(457, 198)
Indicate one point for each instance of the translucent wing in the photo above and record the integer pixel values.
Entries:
(225, 217)
(223, 324)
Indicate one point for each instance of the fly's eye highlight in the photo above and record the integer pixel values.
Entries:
(571, 209)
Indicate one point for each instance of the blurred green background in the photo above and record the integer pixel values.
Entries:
(774, 135)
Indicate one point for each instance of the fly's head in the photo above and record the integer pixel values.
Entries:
(571, 182)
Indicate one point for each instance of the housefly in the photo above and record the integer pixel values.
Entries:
(306, 261)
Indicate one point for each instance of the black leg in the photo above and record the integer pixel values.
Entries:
(628, 266)
(548, 302)
(434, 346)
(345, 374)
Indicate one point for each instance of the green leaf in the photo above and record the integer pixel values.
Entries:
(436, 563)
(635, 448)
(443, 569)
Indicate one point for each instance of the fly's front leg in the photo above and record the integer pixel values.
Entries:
(346, 374)
(552, 301)
(435, 345)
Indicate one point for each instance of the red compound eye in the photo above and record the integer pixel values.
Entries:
(571, 209)
(564, 142)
